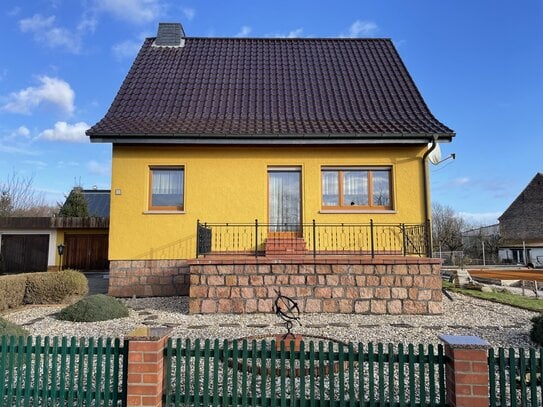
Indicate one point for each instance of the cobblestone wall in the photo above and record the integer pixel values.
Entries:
(148, 278)
(403, 286)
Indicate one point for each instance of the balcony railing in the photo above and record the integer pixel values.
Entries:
(312, 239)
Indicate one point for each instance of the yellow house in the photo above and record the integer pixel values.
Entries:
(259, 146)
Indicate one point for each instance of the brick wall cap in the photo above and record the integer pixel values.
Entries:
(149, 333)
(464, 341)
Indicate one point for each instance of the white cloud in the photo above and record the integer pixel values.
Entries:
(64, 164)
(480, 218)
(45, 31)
(14, 11)
(125, 49)
(72, 133)
(133, 11)
(35, 163)
(23, 131)
(362, 28)
(97, 168)
(53, 91)
(296, 33)
(461, 181)
(244, 31)
(188, 12)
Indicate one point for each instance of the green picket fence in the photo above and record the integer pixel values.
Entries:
(61, 371)
(515, 377)
(325, 374)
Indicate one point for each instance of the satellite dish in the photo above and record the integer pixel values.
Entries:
(435, 155)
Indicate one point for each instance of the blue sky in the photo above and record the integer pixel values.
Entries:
(478, 64)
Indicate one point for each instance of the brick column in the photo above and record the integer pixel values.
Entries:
(466, 371)
(146, 372)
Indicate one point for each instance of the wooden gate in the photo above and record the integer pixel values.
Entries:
(24, 253)
(86, 252)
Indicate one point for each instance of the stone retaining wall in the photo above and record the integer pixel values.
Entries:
(399, 285)
(148, 278)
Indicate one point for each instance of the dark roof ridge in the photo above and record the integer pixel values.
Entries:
(285, 38)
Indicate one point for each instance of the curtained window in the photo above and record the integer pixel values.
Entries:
(284, 196)
(166, 189)
(356, 188)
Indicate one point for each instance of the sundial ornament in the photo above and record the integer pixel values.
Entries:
(287, 309)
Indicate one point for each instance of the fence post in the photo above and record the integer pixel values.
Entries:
(371, 238)
(146, 366)
(404, 238)
(428, 238)
(466, 371)
(256, 237)
(314, 239)
(197, 238)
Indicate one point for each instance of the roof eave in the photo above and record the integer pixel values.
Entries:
(329, 139)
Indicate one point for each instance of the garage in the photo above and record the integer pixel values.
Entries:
(86, 252)
(23, 253)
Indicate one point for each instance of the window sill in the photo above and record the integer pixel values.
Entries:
(166, 212)
(387, 211)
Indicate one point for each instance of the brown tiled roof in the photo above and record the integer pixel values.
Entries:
(269, 90)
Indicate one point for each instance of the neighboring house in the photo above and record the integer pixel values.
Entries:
(521, 227)
(284, 131)
(30, 243)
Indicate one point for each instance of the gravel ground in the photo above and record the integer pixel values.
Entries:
(500, 325)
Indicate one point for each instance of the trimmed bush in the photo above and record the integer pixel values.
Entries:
(54, 287)
(8, 328)
(94, 308)
(536, 333)
(12, 291)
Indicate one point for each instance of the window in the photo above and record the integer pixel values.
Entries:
(356, 188)
(166, 191)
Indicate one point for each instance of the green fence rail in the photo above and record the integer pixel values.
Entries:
(325, 374)
(515, 377)
(61, 371)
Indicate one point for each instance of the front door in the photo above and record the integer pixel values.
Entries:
(284, 200)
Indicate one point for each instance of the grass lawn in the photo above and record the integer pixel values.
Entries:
(515, 300)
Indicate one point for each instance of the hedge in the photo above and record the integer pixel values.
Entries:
(41, 288)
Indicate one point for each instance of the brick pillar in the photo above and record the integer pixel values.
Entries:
(146, 372)
(466, 371)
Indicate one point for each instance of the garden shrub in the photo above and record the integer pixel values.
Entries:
(536, 333)
(94, 308)
(8, 328)
(12, 291)
(54, 287)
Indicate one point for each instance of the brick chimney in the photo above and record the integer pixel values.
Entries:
(170, 35)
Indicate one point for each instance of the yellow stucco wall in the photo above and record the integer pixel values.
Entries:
(230, 184)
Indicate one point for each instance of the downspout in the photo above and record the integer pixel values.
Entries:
(427, 212)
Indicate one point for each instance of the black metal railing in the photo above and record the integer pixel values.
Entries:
(258, 239)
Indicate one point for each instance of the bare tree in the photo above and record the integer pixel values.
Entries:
(18, 197)
(447, 227)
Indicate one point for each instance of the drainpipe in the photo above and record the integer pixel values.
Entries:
(427, 210)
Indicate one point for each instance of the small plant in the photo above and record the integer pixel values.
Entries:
(536, 333)
(94, 308)
(8, 328)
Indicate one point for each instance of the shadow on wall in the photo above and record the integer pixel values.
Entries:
(184, 248)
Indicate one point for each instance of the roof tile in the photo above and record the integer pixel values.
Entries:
(225, 87)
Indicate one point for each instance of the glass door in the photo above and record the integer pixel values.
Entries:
(284, 200)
